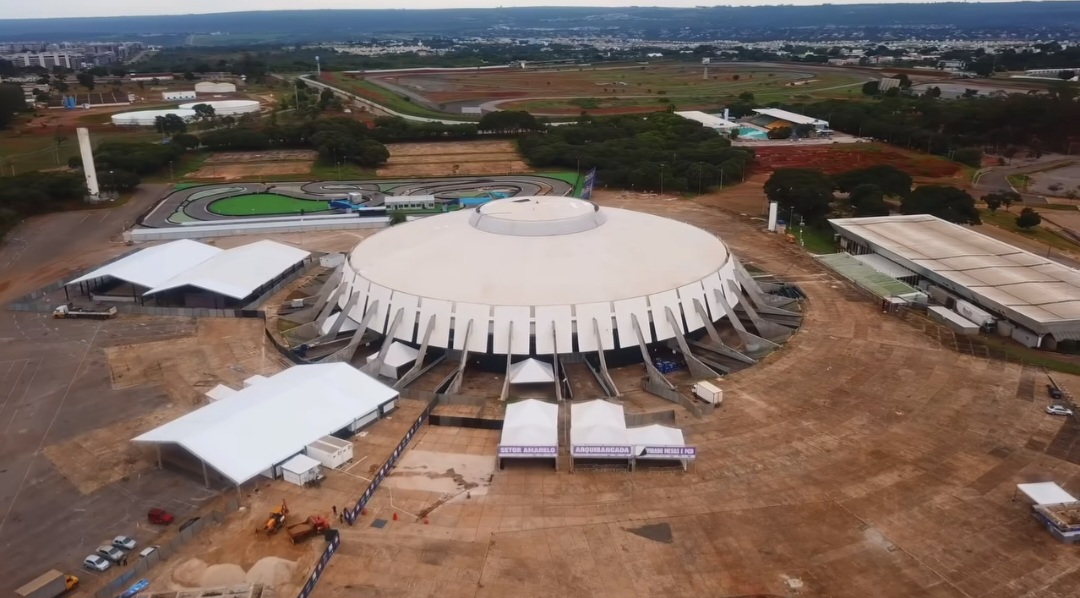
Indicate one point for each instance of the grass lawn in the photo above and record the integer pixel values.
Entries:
(1007, 221)
(1019, 181)
(386, 98)
(345, 172)
(265, 204)
(39, 152)
(815, 240)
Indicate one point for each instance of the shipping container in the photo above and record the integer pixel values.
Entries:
(708, 392)
(330, 451)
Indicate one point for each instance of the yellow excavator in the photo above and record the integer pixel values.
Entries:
(276, 520)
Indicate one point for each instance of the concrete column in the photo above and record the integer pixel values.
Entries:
(86, 150)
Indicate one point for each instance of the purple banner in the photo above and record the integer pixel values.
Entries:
(600, 450)
(668, 452)
(528, 451)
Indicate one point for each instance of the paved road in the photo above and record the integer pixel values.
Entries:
(195, 202)
(997, 178)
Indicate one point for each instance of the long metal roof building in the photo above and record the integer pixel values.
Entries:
(1027, 289)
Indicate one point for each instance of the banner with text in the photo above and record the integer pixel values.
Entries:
(666, 452)
(528, 451)
(587, 186)
(601, 450)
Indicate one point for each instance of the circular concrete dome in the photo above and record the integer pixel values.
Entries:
(227, 107)
(146, 118)
(543, 267)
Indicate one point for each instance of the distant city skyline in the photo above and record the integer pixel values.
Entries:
(109, 8)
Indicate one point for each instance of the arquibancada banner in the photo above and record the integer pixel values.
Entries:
(666, 452)
(602, 451)
(528, 451)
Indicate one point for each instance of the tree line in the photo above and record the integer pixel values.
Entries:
(661, 152)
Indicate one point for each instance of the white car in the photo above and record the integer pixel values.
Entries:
(149, 550)
(96, 563)
(1058, 410)
(124, 543)
(110, 552)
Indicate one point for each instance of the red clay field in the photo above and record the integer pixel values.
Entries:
(833, 159)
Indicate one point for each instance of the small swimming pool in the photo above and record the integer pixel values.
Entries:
(752, 133)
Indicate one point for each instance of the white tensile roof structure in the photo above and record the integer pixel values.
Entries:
(349, 325)
(237, 272)
(531, 371)
(1031, 290)
(262, 425)
(791, 117)
(531, 423)
(538, 276)
(152, 266)
(598, 422)
(708, 120)
(1046, 493)
(656, 435)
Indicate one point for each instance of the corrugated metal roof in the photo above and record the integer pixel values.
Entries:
(864, 276)
(237, 272)
(1031, 290)
(152, 266)
(884, 265)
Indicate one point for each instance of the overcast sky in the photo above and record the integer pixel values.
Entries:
(15, 9)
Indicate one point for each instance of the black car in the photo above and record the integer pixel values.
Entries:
(1054, 392)
(188, 523)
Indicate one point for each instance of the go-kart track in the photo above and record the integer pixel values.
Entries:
(229, 202)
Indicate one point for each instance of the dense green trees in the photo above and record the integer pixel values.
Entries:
(12, 101)
(947, 203)
(807, 192)
(1028, 219)
(32, 193)
(509, 121)
(660, 152)
(868, 200)
(889, 179)
(336, 140)
(1001, 199)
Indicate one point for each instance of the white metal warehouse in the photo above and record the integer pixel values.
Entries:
(1030, 291)
(254, 430)
(191, 274)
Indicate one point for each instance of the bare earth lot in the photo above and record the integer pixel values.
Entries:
(231, 166)
(439, 159)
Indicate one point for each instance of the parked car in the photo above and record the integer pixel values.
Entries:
(159, 516)
(96, 563)
(188, 523)
(110, 552)
(1058, 410)
(124, 543)
(1053, 391)
(149, 550)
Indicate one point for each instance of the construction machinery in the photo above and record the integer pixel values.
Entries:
(48, 585)
(70, 311)
(316, 524)
(276, 519)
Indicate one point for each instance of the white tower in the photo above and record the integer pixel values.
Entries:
(773, 209)
(87, 153)
(318, 68)
(705, 62)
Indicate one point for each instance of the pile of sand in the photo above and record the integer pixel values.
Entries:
(189, 573)
(271, 571)
(226, 574)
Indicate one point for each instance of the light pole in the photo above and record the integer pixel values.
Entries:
(662, 178)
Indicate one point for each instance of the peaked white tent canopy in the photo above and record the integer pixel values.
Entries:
(349, 325)
(531, 371)
(530, 429)
(655, 435)
(598, 429)
(397, 355)
(256, 429)
(153, 266)
(237, 272)
(1046, 493)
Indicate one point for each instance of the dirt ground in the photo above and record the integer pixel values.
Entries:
(238, 171)
(833, 159)
(439, 159)
(266, 156)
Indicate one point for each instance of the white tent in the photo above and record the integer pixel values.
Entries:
(219, 392)
(531, 371)
(660, 442)
(1045, 493)
(349, 325)
(530, 429)
(598, 429)
(397, 355)
(237, 272)
(154, 265)
(301, 469)
(255, 430)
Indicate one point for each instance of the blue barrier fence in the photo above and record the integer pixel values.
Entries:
(331, 547)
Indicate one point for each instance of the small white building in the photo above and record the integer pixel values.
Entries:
(301, 470)
(409, 202)
(331, 451)
(170, 96)
(215, 87)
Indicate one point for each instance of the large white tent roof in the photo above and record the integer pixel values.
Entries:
(656, 435)
(531, 423)
(237, 272)
(154, 265)
(1046, 493)
(598, 422)
(531, 371)
(262, 425)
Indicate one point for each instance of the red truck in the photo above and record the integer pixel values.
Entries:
(300, 532)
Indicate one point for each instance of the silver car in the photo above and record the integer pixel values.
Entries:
(112, 553)
(96, 563)
(124, 543)
(1058, 410)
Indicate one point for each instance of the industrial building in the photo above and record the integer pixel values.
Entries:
(255, 431)
(719, 124)
(170, 96)
(215, 87)
(195, 275)
(536, 276)
(1028, 297)
(772, 118)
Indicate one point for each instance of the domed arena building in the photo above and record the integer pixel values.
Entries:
(539, 276)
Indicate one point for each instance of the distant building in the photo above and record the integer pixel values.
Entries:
(888, 83)
(151, 77)
(771, 118)
(178, 95)
(47, 59)
(715, 123)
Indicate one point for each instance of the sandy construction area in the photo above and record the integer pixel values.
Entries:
(451, 148)
(235, 171)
